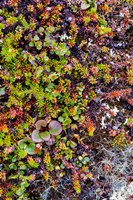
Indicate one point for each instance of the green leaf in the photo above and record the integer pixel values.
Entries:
(60, 119)
(2, 26)
(67, 121)
(93, 10)
(21, 172)
(39, 47)
(45, 135)
(2, 91)
(22, 143)
(24, 184)
(52, 131)
(22, 153)
(73, 144)
(47, 41)
(84, 5)
(51, 29)
(32, 163)
(13, 176)
(36, 136)
(76, 117)
(66, 110)
(14, 159)
(19, 192)
(91, 133)
(39, 70)
(41, 30)
(31, 44)
(30, 149)
(102, 22)
(1, 142)
(22, 166)
(13, 166)
(36, 38)
(85, 160)
(79, 164)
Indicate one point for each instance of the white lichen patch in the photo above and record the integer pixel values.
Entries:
(119, 172)
(123, 193)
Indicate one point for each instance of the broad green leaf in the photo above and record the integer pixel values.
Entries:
(56, 126)
(36, 137)
(45, 135)
(30, 149)
(52, 131)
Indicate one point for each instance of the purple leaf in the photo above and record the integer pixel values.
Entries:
(36, 137)
(56, 127)
(40, 123)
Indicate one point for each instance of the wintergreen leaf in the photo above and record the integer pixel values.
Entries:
(40, 123)
(45, 135)
(30, 149)
(52, 131)
(36, 137)
(55, 125)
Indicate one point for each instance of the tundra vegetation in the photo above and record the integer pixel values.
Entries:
(66, 99)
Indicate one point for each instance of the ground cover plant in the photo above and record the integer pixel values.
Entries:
(66, 99)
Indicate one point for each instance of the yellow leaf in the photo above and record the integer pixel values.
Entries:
(91, 134)
(91, 130)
